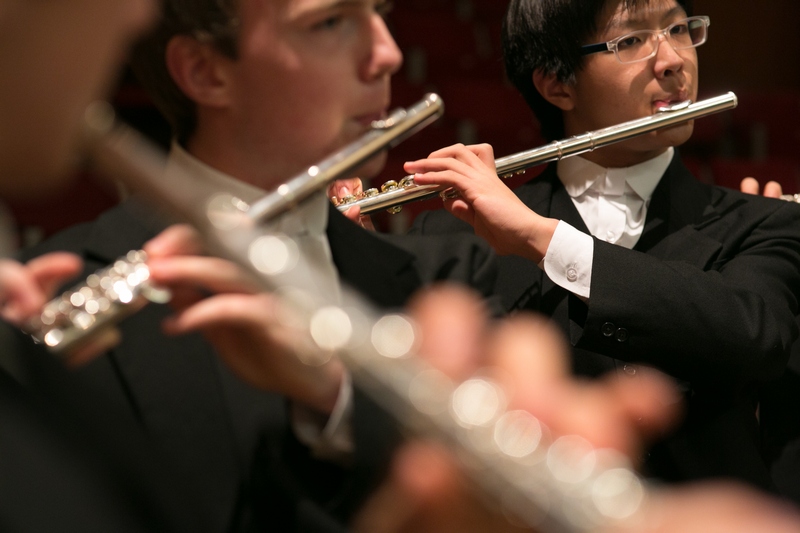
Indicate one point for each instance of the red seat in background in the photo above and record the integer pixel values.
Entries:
(766, 124)
(81, 201)
(442, 46)
(730, 172)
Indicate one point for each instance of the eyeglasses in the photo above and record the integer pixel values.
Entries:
(643, 44)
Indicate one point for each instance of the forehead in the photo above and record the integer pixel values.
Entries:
(299, 7)
(294, 9)
(621, 15)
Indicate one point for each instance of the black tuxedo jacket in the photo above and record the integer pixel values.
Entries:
(708, 295)
(215, 428)
(70, 463)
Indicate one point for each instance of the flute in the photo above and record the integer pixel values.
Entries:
(115, 292)
(394, 194)
(561, 485)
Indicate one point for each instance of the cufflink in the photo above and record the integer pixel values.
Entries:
(572, 274)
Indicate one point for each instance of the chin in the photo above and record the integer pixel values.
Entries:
(371, 167)
(677, 135)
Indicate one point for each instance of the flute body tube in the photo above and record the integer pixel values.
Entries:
(407, 190)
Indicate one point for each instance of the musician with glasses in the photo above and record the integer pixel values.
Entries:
(638, 261)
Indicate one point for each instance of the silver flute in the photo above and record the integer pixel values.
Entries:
(394, 194)
(386, 133)
(117, 291)
(554, 484)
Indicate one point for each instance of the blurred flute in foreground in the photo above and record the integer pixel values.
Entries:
(555, 485)
(394, 194)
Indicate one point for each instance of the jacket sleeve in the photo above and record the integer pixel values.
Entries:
(729, 320)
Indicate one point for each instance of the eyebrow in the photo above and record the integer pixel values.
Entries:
(634, 21)
(332, 4)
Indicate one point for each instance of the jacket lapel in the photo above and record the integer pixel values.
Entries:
(124, 228)
(681, 206)
(369, 263)
(176, 386)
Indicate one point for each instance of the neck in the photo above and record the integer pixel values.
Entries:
(609, 158)
(216, 144)
(637, 149)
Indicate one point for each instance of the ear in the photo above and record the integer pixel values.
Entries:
(199, 71)
(554, 91)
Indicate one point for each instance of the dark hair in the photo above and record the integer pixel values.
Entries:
(546, 35)
(212, 21)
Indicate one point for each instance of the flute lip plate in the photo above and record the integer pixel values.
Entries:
(675, 107)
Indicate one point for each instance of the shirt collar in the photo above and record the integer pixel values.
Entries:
(579, 175)
(309, 217)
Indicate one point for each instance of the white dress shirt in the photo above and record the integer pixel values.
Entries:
(329, 437)
(613, 204)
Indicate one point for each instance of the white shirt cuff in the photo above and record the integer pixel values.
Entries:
(328, 437)
(568, 261)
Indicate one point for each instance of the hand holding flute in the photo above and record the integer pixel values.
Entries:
(484, 201)
(25, 290)
(225, 303)
(350, 188)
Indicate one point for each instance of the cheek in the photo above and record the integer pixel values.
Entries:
(296, 112)
(294, 128)
(319, 116)
(373, 167)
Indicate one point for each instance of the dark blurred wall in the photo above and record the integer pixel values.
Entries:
(752, 45)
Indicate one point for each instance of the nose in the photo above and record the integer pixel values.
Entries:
(385, 57)
(668, 60)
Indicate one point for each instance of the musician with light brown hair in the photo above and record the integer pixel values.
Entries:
(639, 262)
(256, 91)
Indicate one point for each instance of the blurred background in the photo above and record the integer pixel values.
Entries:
(452, 47)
